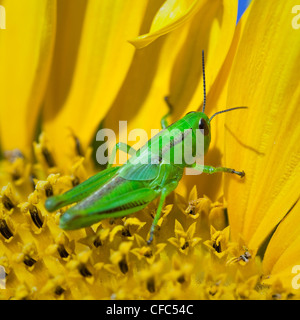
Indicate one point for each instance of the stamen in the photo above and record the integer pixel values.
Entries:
(78, 146)
(75, 182)
(148, 254)
(186, 245)
(126, 232)
(123, 265)
(4, 229)
(59, 290)
(48, 191)
(29, 261)
(15, 175)
(7, 202)
(151, 285)
(84, 271)
(97, 242)
(36, 216)
(217, 247)
(62, 251)
(48, 157)
(181, 279)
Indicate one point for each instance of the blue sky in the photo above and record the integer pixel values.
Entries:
(242, 6)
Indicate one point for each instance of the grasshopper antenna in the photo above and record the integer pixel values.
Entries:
(227, 111)
(204, 85)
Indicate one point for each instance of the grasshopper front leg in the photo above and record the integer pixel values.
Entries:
(164, 121)
(211, 170)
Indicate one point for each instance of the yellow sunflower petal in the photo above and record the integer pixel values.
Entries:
(178, 228)
(70, 19)
(282, 253)
(171, 15)
(26, 47)
(264, 140)
(92, 81)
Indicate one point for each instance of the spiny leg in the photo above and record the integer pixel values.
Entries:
(123, 147)
(211, 170)
(164, 121)
(166, 190)
(157, 216)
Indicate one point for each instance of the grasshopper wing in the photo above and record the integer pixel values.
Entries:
(139, 172)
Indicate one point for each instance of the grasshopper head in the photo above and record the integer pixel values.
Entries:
(200, 121)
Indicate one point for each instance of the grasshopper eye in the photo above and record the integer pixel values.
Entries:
(204, 126)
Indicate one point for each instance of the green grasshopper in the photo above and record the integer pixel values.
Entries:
(122, 190)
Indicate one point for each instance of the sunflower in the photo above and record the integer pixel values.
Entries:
(69, 70)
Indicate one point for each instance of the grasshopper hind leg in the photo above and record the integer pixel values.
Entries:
(81, 191)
